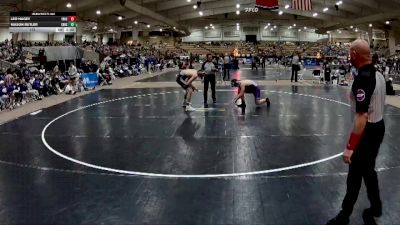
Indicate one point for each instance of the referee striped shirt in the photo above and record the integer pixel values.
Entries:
(369, 93)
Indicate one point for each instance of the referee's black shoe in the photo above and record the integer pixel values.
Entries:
(373, 212)
(339, 220)
(368, 218)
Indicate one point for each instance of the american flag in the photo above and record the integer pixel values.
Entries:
(303, 5)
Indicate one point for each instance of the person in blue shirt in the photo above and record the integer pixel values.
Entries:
(26, 72)
(23, 87)
(11, 88)
(37, 85)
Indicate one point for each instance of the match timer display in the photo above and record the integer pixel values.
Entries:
(60, 22)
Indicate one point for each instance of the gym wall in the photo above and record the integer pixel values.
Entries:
(232, 34)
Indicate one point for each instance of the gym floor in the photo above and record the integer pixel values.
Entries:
(133, 156)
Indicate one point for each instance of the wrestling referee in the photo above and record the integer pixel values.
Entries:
(368, 96)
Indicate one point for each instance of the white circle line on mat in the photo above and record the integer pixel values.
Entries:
(161, 175)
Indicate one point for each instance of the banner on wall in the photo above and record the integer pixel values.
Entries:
(311, 63)
(248, 60)
(267, 4)
(90, 80)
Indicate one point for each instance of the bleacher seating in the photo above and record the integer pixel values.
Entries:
(194, 49)
(221, 50)
(288, 49)
(170, 48)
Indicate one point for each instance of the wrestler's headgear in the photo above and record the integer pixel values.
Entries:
(234, 83)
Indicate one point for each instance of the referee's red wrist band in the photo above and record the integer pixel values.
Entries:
(353, 141)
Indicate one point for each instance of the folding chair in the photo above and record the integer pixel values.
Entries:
(317, 76)
(301, 74)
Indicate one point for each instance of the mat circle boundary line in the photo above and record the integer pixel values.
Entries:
(161, 175)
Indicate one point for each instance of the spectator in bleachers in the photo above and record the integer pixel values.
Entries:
(9, 79)
(26, 72)
(37, 85)
(42, 70)
(23, 88)
(56, 82)
(17, 92)
(72, 71)
(56, 70)
(73, 76)
(85, 66)
(32, 93)
(10, 91)
(70, 89)
(104, 76)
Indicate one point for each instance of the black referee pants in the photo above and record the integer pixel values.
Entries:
(363, 167)
(295, 72)
(209, 78)
(226, 72)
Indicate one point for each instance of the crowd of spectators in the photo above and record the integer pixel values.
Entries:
(10, 53)
(388, 65)
(335, 50)
(24, 83)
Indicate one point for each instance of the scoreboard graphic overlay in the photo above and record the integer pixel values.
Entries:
(59, 22)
